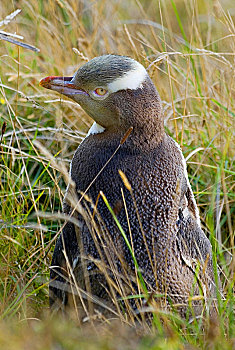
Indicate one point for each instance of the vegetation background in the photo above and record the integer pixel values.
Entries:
(188, 48)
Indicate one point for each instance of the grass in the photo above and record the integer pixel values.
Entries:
(188, 49)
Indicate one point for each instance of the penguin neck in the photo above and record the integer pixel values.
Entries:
(145, 138)
(141, 109)
(138, 139)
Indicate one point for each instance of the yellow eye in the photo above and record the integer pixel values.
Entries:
(100, 91)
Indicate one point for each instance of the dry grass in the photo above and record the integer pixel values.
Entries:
(188, 48)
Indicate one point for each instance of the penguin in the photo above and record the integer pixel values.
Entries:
(133, 226)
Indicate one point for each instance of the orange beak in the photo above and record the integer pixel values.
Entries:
(63, 85)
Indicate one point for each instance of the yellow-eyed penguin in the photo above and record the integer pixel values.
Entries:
(153, 201)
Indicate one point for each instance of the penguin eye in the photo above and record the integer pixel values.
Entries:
(100, 91)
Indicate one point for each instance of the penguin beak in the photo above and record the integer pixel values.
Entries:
(63, 85)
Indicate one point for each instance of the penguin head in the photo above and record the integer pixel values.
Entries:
(115, 91)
